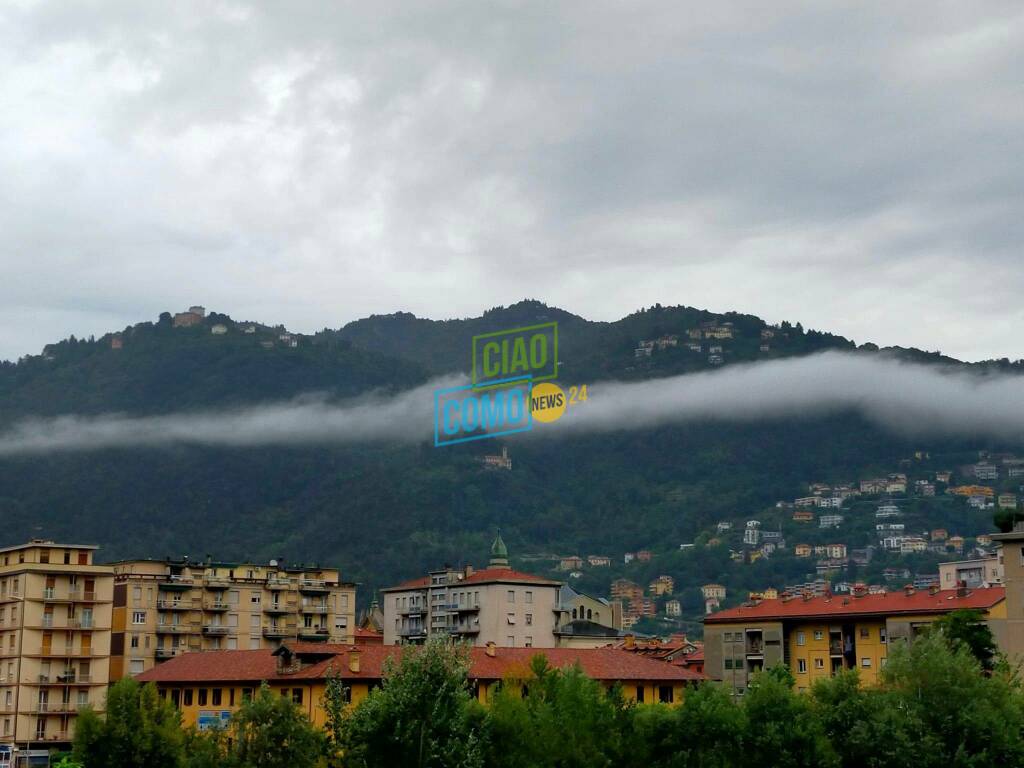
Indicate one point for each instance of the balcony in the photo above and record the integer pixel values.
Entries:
(316, 634)
(278, 584)
(279, 608)
(216, 582)
(214, 629)
(82, 597)
(414, 633)
(66, 653)
(314, 609)
(51, 595)
(80, 624)
(162, 654)
(52, 736)
(313, 587)
(466, 608)
(418, 610)
(176, 629)
(176, 584)
(464, 630)
(835, 648)
(755, 648)
(278, 632)
(174, 605)
(215, 605)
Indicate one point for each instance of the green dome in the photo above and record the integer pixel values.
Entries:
(499, 553)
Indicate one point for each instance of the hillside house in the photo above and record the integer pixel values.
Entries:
(874, 485)
(1007, 501)
(913, 544)
(715, 359)
(644, 556)
(830, 521)
(571, 563)
(887, 511)
(985, 471)
(803, 516)
(219, 329)
(599, 561)
(802, 550)
(673, 609)
(116, 342)
(939, 534)
(497, 461)
(943, 477)
(807, 501)
(663, 585)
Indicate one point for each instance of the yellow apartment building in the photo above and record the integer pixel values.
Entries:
(164, 608)
(209, 687)
(816, 637)
(55, 618)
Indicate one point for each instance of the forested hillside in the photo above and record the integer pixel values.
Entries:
(385, 512)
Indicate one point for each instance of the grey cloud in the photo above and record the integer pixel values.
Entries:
(904, 398)
(310, 163)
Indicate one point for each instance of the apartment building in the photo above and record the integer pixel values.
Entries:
(55, 618)
(495, 605)
(163, 608)
(817, 636)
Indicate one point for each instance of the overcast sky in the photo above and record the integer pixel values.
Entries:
(854, 166)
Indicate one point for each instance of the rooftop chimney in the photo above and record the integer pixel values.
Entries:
(630, 642)
(353, 661)
(908, 590)
(933, 589)
(961, 589)
(491, 649)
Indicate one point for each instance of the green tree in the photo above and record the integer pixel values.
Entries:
(709, 731)
(783, 730)
(974, 720)
(422, 714)
(140, 730)
(967, 627)
(570, 719)
(269, 731)
(869, 727)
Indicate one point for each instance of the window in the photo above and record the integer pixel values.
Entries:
(801, 638)
(44, 556)
(254, 598)
(881, 662)
(529, 596)
(511, 595)
(728, 663)
(186, 699)
(247, 694)
(136, 595)
(297, 695)
(510, 641)
(135, 640)
(727, 637)
(138, 617)
(639, 694)
(865, 632)
(665, 694)
(202, 697)
(138, 666)
(341, 622)
(819, 634)
(511, 618)
(801, 666)
(528, 641)
(882, 634)
(819, 663)
(529, 619)
(231, 697)
(865, 662)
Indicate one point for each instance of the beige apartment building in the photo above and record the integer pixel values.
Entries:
(163, 608)
(495, 605)
(55, 618)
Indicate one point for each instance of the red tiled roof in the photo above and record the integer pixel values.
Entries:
(504, 574)
(605, 664)
(482, 576)
(362, 636)
(920, 601)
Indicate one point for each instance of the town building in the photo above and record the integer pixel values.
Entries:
(803, 516)
(979, 572)
(1011, 636)
(194, 316)
(802, 550)
(599, 561)
(494, 605)
(55, 617)
(210, 687)
(985, 471)
(752, 533)
(714, 595)
(1007, 501)
(164, 608)
(673, 609)
(663, 585)
(219, 329)
(830, 521)
(497, 461)
(819, 636)
(571, 563)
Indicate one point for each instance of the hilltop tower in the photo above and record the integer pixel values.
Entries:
(499, 554)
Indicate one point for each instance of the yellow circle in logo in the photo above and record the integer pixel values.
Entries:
(547, 402)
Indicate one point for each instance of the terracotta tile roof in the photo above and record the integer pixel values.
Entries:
(504, 574)
(422, 581)
(920, 601)
(605, 664)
